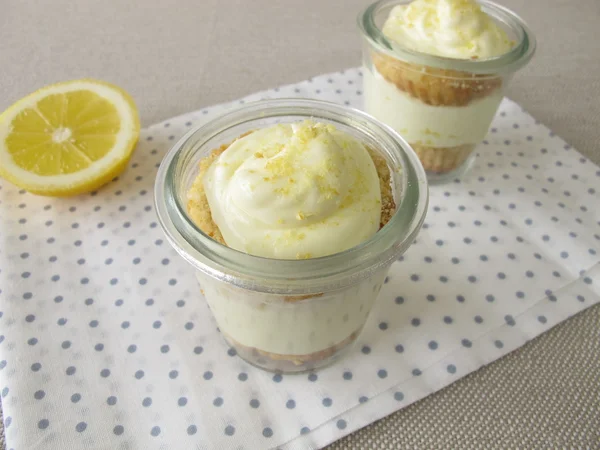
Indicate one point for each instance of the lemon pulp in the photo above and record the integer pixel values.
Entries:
(68, 138)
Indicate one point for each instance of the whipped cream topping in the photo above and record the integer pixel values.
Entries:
(449, 28)
(294, 191)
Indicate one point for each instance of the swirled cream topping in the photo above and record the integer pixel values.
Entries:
(450, 28)
(294, 191)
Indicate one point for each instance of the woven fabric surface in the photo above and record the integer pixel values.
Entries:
(543, 395)
(482, 412)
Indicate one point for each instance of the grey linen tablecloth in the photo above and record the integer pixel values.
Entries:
(178, 56)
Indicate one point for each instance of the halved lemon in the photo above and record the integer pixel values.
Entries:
(68, 138)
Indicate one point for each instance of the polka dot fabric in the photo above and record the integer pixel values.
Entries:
(106, 342)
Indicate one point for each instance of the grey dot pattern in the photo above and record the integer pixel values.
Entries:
(115, 333)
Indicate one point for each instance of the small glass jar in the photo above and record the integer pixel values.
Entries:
(442, 106)
(290, 315)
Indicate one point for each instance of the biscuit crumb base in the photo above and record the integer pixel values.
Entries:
(443, 159)
(434, 86)
(197, 205)
(388, 205)
(296, 361)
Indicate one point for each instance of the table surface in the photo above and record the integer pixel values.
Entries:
(178, 56)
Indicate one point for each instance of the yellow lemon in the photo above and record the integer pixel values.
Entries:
(68, 138)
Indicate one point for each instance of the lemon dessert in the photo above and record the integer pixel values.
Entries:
(68, 138)
(291, 191)
(442, 113)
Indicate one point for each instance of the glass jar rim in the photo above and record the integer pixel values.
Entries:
(508, 62)
(290, 276)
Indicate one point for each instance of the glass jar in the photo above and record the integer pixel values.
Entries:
(442, 106)
(290, 315)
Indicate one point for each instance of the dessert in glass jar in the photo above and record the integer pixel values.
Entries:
(435, 71)
(292, 212)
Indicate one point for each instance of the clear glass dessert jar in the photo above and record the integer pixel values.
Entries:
(290, 315)
(442, 106)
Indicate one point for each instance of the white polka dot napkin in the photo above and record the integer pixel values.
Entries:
(106, 342)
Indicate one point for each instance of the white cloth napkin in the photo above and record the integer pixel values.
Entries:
(106, 342)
